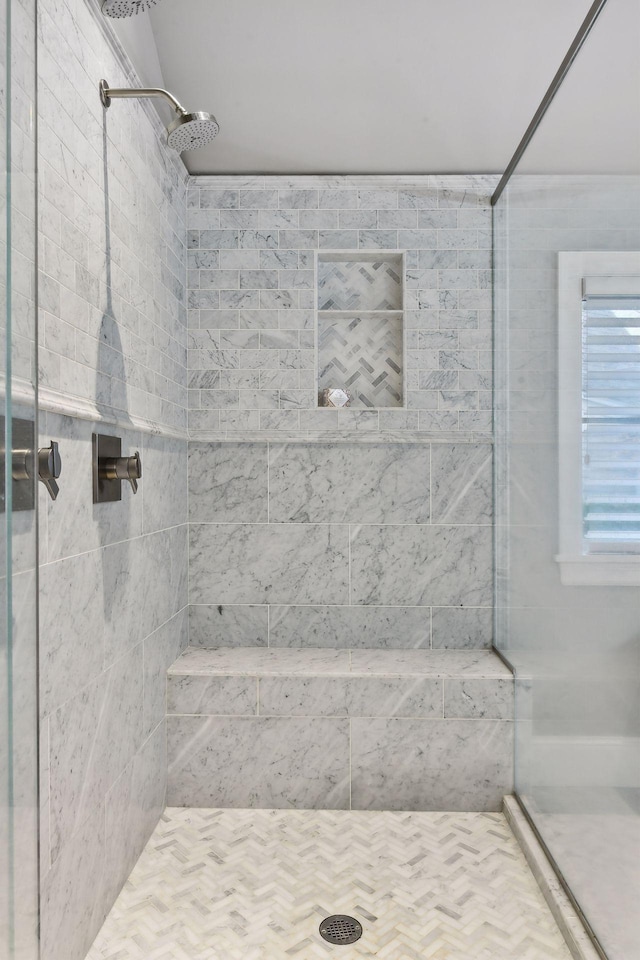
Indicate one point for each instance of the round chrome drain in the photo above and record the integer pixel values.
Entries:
(340, 929)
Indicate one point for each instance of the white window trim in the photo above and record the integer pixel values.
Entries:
(576, 568)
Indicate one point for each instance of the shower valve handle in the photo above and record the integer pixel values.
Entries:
(124, 468)
(50, 468)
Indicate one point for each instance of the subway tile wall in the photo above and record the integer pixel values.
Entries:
(112, 232)
(252, 245)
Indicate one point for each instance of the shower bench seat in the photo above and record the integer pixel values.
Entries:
(325, 728)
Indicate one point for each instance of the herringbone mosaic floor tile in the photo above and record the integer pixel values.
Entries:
(255, 884)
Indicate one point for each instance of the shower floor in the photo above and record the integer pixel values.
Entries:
(255, 884)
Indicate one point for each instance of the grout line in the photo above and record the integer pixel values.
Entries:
(268, 482)
(114, 543)
(49, 858)
(409, 718)
(430, 487)
(337, 523)
(349, 564)
(350, 763)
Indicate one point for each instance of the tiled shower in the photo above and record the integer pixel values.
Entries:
(311, 621)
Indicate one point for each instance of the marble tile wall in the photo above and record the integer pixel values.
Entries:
(318, 762)
(251, 301)
(112, 232)
(401, 729)
(354, 545)
(113, 592)
(113, 576)
(301, 563)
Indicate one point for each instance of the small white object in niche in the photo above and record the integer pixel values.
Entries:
(335, 397)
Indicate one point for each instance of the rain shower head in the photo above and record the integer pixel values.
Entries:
(187, 132)
(125, 8)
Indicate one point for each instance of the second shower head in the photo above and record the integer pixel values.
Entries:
(187, 132)
(117, 9)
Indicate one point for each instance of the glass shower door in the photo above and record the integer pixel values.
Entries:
(567, 363)
(18, 494)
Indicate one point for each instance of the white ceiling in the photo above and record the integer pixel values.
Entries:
(415, 86)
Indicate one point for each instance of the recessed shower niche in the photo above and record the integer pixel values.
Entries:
(360, 327)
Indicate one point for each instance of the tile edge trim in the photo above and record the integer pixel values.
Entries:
(578, 941)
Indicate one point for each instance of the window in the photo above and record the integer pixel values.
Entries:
(599, 417)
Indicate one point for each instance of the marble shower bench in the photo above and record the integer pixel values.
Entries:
(339, 729)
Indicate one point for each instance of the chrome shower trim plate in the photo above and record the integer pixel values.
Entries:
(105, 99)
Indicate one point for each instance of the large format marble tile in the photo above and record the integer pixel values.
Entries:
(240, 625)
(263, 563)
(250, 662)
(164, 482)
(349, 483)
(268, 762)
(160, 650)
(409, 764)
(421, 565)
(71, 627)
(73, 902)
(20, 817)
(130, 594)
(144, 584)
(479, 699)
(428, 663)
(461, 628)
(24, 539)
(228, 482)
(343, 626)
(24, 729)
(169, 569)
(237, 696)
(132, 809)
(350, 697)
(461, 483)
(92, 739)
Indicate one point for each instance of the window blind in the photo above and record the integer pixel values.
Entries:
(611, 415)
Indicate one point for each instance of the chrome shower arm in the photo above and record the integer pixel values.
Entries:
(187, 132)
(107, 94)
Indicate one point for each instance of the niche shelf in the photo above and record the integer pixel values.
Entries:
(360, 326)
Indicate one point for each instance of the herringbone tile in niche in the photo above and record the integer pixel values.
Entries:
(359, 285)
(364, 356)
(255, 884)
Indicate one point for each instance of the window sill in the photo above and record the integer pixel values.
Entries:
(600, 571)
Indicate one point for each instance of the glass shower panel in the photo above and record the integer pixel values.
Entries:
(570, 624)
(18, 431)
